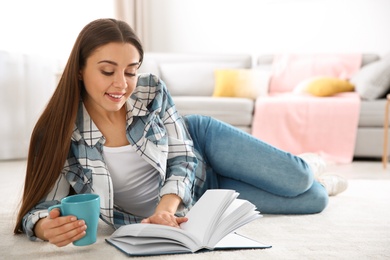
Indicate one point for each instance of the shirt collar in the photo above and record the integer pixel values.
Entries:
(86, 129)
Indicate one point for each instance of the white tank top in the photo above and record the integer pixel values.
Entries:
(136, 182)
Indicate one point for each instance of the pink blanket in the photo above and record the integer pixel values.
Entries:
(290, 69)
(302, 123)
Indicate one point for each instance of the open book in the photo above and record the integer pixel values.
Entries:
(210, 225)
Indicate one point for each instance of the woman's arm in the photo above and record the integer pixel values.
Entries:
(182, 161)
(167, 130)
(39, 212)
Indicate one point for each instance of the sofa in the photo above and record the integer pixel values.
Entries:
(372, 83)
(192, 80)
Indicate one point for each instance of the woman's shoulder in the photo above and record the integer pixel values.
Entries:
(149, 80)
(151, 91)
(151, 86)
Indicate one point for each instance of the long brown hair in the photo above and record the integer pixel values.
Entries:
(51, 137)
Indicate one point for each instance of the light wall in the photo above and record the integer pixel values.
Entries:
(50, 27)
(36, 38)
(47, 27)
(268, 26)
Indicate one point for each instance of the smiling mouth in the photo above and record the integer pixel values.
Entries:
(115, 96)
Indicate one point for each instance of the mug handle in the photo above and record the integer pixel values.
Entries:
(58, 206)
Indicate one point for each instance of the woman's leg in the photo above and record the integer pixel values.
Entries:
(275, 181)
(314, 200)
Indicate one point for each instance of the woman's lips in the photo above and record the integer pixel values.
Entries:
(115, 97)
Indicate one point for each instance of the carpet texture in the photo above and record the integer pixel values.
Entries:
(356, 224)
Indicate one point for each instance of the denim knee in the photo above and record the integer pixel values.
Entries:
(298, 182)
(320, 198)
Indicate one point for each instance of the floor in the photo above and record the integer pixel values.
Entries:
(358, 169)
(361, 169)
(362, 210)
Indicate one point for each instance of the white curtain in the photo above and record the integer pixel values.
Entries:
(27, 82)
(134, 12)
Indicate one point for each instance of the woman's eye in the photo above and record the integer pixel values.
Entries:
(110, 73)
(130, 74)
(107, 73)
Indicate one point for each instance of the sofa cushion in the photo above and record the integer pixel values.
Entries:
(373, 80)
(194, 78)
(323, 86)
(245, 83)
(372, 113)
(149, 66)
(234, 111)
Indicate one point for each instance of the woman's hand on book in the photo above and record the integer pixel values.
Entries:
(165, 218)
(165, 212)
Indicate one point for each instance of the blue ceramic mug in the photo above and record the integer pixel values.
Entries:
(85, 207)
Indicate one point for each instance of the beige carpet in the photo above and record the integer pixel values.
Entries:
(356, 225)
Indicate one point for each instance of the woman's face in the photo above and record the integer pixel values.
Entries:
(110, 76)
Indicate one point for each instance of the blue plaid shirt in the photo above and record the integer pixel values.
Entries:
(159, 135)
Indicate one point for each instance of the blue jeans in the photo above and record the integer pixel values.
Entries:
(275, 181)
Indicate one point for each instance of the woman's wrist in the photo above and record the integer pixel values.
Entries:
(169, 203)
(38, 229)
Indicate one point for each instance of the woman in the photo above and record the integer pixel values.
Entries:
(108, 131)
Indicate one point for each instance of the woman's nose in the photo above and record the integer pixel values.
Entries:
(120, 81)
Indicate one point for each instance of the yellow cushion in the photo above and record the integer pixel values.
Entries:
(244, 83)
(324, 86)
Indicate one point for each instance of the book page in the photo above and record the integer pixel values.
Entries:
(147, 231)
(237, 241)
(203, 216)
(239, 213)
(161, 248)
